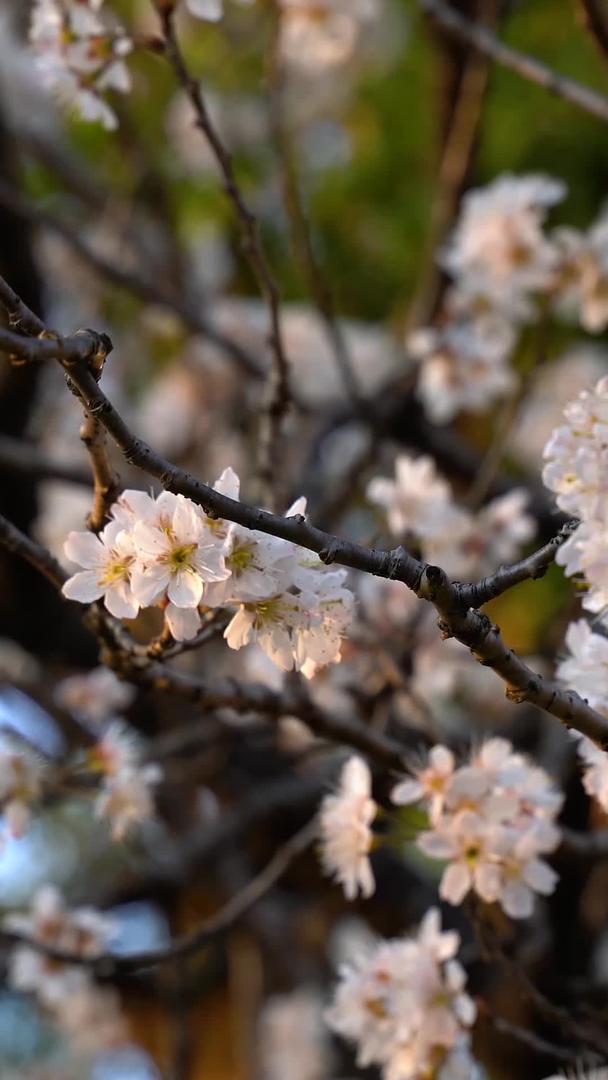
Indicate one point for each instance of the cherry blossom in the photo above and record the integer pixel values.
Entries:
(108, 561)
(176, 554)
(89, 1015)
(83, 931)
(345, 821)
(21, 785)
(463, 365)
(419, 503)
(585, 669)
(79, 57)
(491, 819)
(577, 470)
(498, 239)
(403, 1004)
(418, 500)
(126, 799)
(583, 273)
(94, 696)
(320, 34)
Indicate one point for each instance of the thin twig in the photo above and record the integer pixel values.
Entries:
(526, 66)
(302, 242)
(212, 928)
(18, 543)
(431, 583)
(280, 395)
(105, 482)
(134, 281)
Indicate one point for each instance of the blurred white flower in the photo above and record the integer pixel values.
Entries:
(79, 56)
(94, 696)
(499, 241)
(293, 1039)
(582, 282)
(404, 1006)
(345, 820)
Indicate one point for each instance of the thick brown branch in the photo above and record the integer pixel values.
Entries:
(470, 627)
(252, 697)
(526, 66)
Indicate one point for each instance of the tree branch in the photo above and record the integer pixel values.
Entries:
(134, 281)
(470, 627)
(109, 964)
(596, 21)
(526, 66)
(105, 482)
(254, 250)
(18, 543)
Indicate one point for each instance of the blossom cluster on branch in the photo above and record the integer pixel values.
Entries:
(420, 506)
(88, 1014)
(167, 552)
(80, 46)
(404, 1006)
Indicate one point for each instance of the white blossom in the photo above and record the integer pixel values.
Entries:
(498, 240)
(404, 1006)
(491, 819)
(176, 554)
(345, 821)
(293, 1039)
(21, 785)
(582, 282)
(83, 931)
(577, 471)
(89, 1015)
(417, 501)
(420, 504)
(319, 35)
(79, 57)
(126, 798)
(464, 365)
(585, 669)
(108, 561)
(94, 696)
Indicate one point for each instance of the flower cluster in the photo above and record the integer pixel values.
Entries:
(167, 552)
(66, 990)
(586, 671)
(491, 818)
(498, 259)
(501, 263)
(577, 471)
(125, 796)
(345, 821)
(404, 1006)
(79, 56)
(420, 505)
